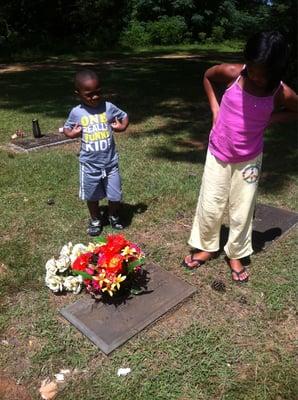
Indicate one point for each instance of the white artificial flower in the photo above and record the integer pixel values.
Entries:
(66, 250)
(73, 284)
(51, 267)
(62, 263)
(77, 250)
(54, 282)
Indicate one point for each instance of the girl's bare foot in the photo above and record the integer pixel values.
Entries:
(195, 260)
(239, 273)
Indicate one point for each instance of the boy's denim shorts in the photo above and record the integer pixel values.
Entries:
(97, 184)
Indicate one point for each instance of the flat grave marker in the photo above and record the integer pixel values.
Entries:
(271, 223)
(26, 144)
(109, 325)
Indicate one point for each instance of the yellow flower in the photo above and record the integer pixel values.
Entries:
(92, 246)
(101, 278)
(127, 251)
(108, 289)
(111, 287)
(117, 280)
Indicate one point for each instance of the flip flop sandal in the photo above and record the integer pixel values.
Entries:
(238, 273)
(198, 263)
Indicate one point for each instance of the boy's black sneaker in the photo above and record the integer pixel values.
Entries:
(115, 223)
(94, 227)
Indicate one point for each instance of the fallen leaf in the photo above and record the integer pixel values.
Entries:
(65, 371)
(3, 268)
(48, 390)
(123, 371)
(59, 377)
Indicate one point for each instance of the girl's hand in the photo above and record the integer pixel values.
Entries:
(214, 78)
(215, 115)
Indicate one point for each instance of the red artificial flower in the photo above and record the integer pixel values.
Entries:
(111, 262)
(82, 262)
(115, 243)
(115, 263)
(95, 284)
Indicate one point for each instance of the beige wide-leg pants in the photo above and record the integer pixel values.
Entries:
(222, 184)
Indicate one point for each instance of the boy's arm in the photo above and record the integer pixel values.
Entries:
(120, 125)
(214, 76)
(74, 132)
(72, 128)
(287, 106)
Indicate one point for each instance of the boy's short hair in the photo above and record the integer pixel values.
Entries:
(83, 75)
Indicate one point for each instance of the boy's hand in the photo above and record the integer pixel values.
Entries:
(119, 126)
(75, 132)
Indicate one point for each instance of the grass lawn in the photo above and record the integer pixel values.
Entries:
(237, 345)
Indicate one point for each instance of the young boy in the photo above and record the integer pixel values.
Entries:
(95, 120)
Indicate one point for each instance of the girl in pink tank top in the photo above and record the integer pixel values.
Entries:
(237, 134)
(254, 93)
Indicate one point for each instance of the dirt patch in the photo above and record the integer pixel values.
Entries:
(10, 390)
(177, 56)
(194, 143)
(53, 63)
(48, 65)
(4, 68)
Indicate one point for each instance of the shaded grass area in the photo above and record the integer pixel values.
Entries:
(237, 345)
(123, 52)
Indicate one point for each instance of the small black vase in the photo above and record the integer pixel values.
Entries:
(36, 128)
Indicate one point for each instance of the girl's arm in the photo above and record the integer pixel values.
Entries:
(286, 103)
(223, 74)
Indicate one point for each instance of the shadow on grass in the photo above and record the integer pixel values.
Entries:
(151, 86)
(259, 239)
(134, 82)
(127, 212)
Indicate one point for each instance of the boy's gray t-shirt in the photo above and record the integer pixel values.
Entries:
(97, 142)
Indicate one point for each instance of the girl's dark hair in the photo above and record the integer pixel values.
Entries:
(270, 50)
(83, 75)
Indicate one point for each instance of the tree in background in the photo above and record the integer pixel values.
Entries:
(43, 23)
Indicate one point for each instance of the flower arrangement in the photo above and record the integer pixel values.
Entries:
(101, 267)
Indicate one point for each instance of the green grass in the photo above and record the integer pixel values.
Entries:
(237, 345)
(67, 54)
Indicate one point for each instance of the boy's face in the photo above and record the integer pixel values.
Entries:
(89, 92)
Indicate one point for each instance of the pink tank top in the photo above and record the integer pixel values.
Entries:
(242, 119)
